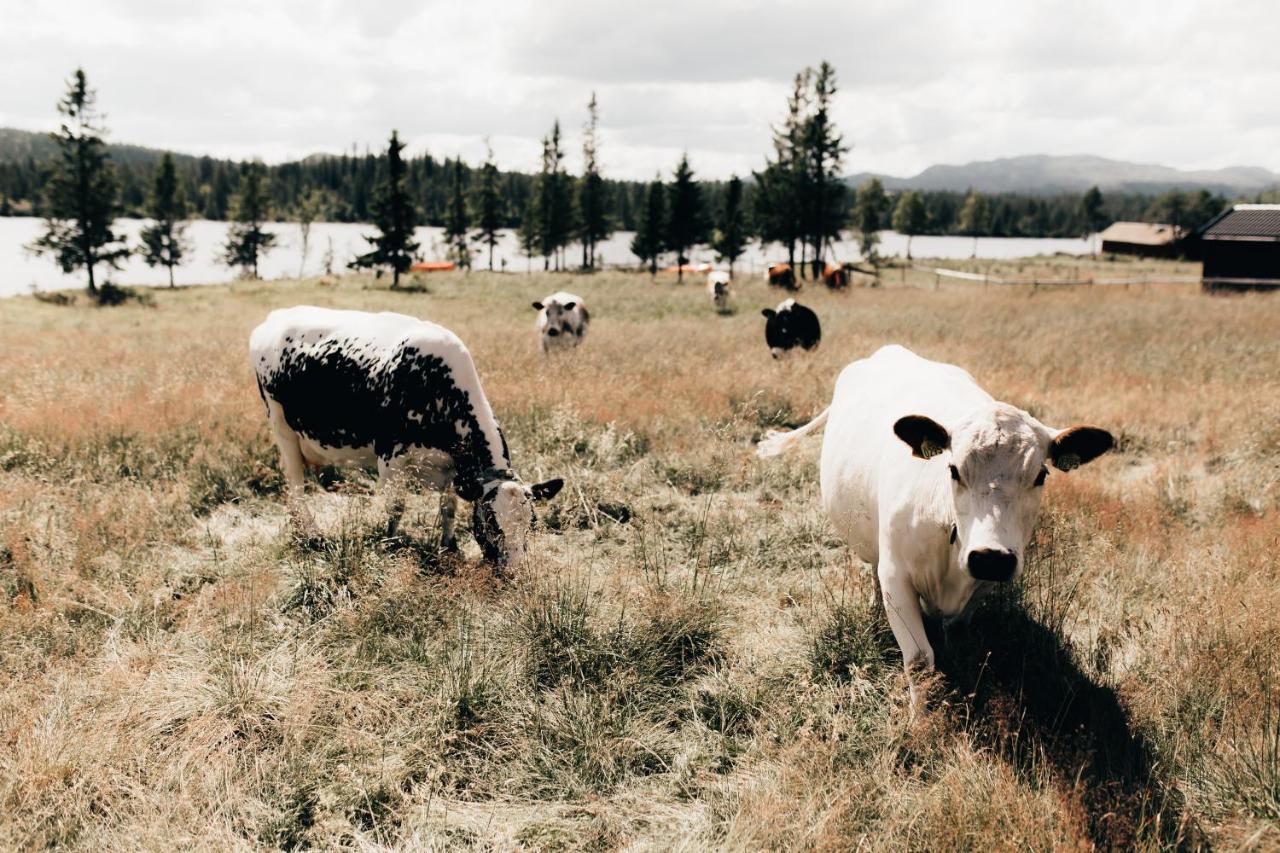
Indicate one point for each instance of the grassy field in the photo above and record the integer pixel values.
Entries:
(690, 659)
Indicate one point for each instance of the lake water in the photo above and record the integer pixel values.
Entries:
(22, 272)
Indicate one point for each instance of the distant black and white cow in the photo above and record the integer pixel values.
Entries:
(360, 389)
(719, 283)
(790, 325)
(562, 321)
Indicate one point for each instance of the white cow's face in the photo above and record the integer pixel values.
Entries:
(559, 317)
(503, 517)
(997, 461)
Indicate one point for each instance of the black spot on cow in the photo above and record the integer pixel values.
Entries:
(341, 394)
(789, 326)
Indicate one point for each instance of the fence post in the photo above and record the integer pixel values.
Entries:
(937, 280)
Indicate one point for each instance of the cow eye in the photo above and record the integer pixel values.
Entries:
(955, 474)
(1044, 472)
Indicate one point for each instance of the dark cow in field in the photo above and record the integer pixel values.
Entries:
(782, 275)
(790, 325)
(388, 390)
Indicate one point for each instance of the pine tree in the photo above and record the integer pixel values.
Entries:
(783, 183)
(488, 204)
(823, 187)
(973, 218)
(247, 240)
(1091, 212)
(555, 201)
(456, 221)
(872, 205)
(395, 216)
(731, 236)
(686, 221)
(315, 204)
(910, 216)
(164, 241)
(592, 192)
(80, 195)
(648, 244)
(527, 233)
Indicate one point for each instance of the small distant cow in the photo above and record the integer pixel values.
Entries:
(836, 278)
(718, 284)
(562, 321)
(360, 389)
(790, 325)
(781, 275)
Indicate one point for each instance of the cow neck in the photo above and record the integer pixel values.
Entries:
(477, 463)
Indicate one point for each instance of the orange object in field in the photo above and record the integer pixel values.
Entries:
(433, 266)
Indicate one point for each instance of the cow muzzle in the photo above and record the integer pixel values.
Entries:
(989, 564)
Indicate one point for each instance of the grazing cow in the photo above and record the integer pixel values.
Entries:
(562, 321)
(934, 482)
(781, 275)
(354, 388)
(790, 325)
(718, 283)
(836, 278)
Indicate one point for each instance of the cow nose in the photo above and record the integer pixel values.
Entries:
(553, 332)
(987, 564)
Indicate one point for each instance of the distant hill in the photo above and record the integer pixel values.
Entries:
(1043, 174)
(18, 145)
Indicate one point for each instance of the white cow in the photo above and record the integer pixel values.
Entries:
(934, 482)
(562, 321)
(360, 389)
(718, 284)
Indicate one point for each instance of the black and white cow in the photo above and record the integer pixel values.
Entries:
(562, 321)
(360, 389)
(790, 325)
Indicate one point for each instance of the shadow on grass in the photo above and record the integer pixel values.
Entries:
(1030, 703)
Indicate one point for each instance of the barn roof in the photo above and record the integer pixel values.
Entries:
(1245, 222)
(1139, 233)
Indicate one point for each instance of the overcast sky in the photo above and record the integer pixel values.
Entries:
(1187, 84)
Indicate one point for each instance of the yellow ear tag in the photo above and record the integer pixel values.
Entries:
(1067, 461)
(929, 450)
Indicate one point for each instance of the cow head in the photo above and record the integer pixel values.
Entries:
(778, 331)
(558, 315)
(997, 460)
(502, 516)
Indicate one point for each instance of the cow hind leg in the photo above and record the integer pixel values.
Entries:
(391, 490)
(294, 469)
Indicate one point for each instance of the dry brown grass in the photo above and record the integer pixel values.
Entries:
(710, 673)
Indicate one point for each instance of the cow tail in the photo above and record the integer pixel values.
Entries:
(777, 442)
(262, 392)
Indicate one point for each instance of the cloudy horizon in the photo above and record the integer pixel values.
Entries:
(1183, 84)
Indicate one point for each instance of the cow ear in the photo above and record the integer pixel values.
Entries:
(1077, 445)
(537, 306)
(547, 489)
(924, 436)
(768, 312)
(569, 306)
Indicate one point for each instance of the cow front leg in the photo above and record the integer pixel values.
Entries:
(448, 511)
(902, 607)
(391, 489)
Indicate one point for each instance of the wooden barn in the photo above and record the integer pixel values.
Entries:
(1241, 248)
(1148, 239)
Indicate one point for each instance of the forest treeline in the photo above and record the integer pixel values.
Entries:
(349, 180)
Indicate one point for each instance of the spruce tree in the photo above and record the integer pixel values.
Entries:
(783, 184)
(910, 216)
(824, 150)
(731, 236)
(247, 240)
(456, 221)
(489, 204)
(872, 204)
(1092, 213)
(592, 196)
(80, 195)
(686, 220)
(164, 241)
(395, 216)
(555, 200)
(647, 244)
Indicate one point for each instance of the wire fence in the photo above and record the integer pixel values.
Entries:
(985, 279)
